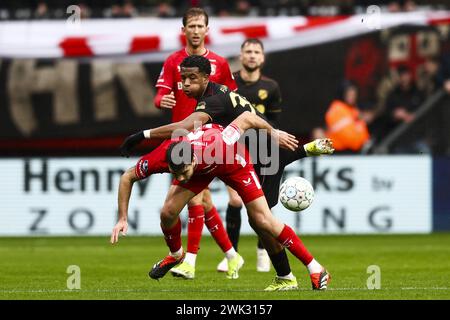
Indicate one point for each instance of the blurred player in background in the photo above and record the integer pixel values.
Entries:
(264, 94)
(171, 96)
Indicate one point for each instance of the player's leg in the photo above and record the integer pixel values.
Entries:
(264, 223)
(316, 147)
(176, 199)
(196, 219)
(216, 228)
(233, 216)
(233, 220)
(284, 279)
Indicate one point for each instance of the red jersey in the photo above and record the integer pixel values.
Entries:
(214, 158)
(170, 78)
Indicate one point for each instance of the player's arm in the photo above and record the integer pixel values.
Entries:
(180, 128)
(164, 98)
(126, 185)
(247, 120)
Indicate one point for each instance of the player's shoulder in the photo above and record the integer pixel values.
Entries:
(211, 55)
(269, 81)
(176, 56)
(212, 99)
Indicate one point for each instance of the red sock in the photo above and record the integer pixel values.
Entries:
(290, 240)
(195, 228)
(217, 230)
(173, 236)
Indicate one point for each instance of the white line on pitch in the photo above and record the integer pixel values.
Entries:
(194, 290)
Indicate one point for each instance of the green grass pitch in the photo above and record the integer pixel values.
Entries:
(412, 267)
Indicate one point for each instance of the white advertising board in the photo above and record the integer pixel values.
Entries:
(78, 196)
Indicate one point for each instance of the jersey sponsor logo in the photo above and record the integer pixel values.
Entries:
(201, 105)
(213, 69)
(247, 182)
(179, 85)
(263, 94)
(207, 169)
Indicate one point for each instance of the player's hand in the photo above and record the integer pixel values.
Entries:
(130, 142)
(286, 140)
(121, 227)
(168, 101)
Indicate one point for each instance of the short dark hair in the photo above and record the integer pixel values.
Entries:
(194, 12)
(252, 41)
(179, 154)
(199, 62)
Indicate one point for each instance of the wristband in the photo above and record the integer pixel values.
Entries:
(147, 134)
(231, 134)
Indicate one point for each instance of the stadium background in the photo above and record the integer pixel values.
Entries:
(59, 156)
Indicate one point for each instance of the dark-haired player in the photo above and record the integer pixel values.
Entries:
(171, 96)
(217, 104)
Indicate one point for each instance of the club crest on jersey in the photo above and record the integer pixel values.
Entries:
(179, 85)
(144, 166)
(213, 69)
(223, 88)
(201, 105)
(263, 94)
(261, 108)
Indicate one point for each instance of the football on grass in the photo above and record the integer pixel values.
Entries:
(296, 194)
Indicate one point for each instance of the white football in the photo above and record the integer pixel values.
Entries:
(296, 194)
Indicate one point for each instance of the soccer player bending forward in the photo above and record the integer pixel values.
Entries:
(195, 160)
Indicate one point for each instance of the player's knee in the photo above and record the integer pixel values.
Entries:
(168, 213)
(207, 204)
(235, 201)
(260, 221)
(195, 202)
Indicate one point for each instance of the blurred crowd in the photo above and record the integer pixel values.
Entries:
(56, 9)
(356, 126)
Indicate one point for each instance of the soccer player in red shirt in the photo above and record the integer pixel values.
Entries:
(170, 95)
(195, 161)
